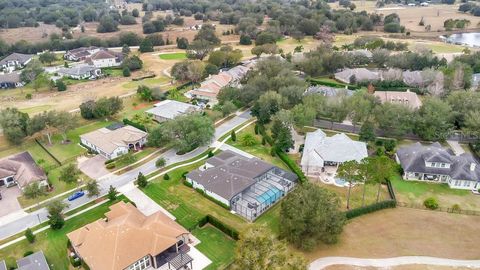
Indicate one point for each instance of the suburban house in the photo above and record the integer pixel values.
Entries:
(20, 170)
(210, 88)
(33, 261)
(237, 73)
(327, 91)
(434, 163)
(127, 239)
(408, 98)
(80, 72)
(15, 61)
(362, 52)
(249, 186)
(114, 140)
(356, 74)
(10, 80)
(320, 151)
(80, 54)
(169, 109)
(105, 58)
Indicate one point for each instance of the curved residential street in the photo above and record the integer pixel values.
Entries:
(390, 262)
(21, 221)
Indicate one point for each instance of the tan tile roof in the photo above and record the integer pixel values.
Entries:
(109, 140)
(124, 237)
(23, 167)
(407, 98)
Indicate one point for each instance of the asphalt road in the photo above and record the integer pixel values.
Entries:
(29, 220)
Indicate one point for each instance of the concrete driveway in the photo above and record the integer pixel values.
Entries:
(93, 167)
(9, 202)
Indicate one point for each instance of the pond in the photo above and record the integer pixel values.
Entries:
(469, 39)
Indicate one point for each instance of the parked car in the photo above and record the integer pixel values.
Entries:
(76, 195)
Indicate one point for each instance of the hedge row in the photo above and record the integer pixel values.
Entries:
(370, 208)
(233, 233)
(332, 84)
(144, 77)
(292, 165)
(134, 124)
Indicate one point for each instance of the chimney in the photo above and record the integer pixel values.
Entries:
(473, 166)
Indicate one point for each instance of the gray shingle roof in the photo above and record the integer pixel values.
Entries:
(327, 91)
(20, 57)
(10, 78)
(413, 158)
(171, 108)
(231, 175)
(77, 70)
(35, 261)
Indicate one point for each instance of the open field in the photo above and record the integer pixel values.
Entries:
(415, 192)
(405, 232)
(433, 15)
(54, 242)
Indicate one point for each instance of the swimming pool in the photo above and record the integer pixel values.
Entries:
(269, 196)
(340, 182)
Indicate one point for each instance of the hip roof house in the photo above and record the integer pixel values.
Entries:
(15, 61)
(21, 170)
(127, 239)
(249, 186)
(408, 98)
(10, 80)
(434, 163)
(169, 109)
(320, 151)
(115, 140)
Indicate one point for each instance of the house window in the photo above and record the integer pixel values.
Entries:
(457, 182)
(141, 264)
(434, 164)
(442, 165)
(466, 183)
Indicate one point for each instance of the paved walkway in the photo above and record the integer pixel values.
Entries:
(456, 147)
(389, 262)
(146, 205)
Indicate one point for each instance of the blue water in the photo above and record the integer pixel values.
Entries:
(340, 181)
(470, 39)
(269, 196)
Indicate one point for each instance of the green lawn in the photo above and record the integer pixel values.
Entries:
(36, 109)
(114, 72)
(217, 246)
(271, 219)
(54, 243)
(119, 164)
(37, 152)
(68, 151)
(173, 56)
(150, 82)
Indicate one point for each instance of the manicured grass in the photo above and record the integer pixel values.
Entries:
(217, 246)
(186, 204)
(173, 56)
(68, 151)
(114, 72)
(119, 164)
(36, 109)
(150, 82)
(39, 155)
(54, 243)
(271, 219)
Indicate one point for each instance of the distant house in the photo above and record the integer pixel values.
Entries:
(15, 61)
(210, 88)
(363, 52)
(126, 239)
(35, 261)
(408, 98)
(80, 54)
(80, 72)
(10, 80)
(320, 151)
(21, 170)
(327, 91)
(237, 73)
(475, 81)
(434, 163)
(249, 186)
(169, 109)
(357, 74)
(105, 58)
(115, 140)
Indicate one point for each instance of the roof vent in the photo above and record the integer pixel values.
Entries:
(472, 166)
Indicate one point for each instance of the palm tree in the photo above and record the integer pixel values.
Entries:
(349, 172)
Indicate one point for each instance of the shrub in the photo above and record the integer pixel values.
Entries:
(126, 72)
(75, 261)
(370, 208)
(210, 154)
(29, 235)
(28, 253)
(233, 136)
(28, 96)
(166, 177)
(456, 208)
(61, 86)
(160, 162)
(431, 203)
(292, 165)
(110, 166)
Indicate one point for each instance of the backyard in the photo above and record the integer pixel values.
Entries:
(54, 242)
(217, 246)
(415, 192)
(173, 56)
